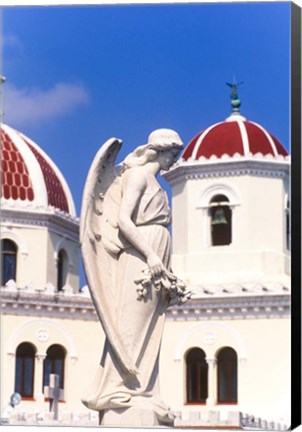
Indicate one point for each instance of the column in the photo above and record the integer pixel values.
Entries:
(212, 381)
(206, 228)
(38, 379)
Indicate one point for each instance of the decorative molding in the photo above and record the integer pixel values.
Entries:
(42, 335)
(11, 285)
(44, 322)
(232, 307)
(14, 215)
(242, 361)
(238, 302)
(256, 165)
(227, 419)
(40, 357)
(63, 304)
(63, 244)
(210, 338)
(11, 355)
(211, 361)
(240, 289)
(216, 189)
(237, 341)
(16, 238)
(74, 359)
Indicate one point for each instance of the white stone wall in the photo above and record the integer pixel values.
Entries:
(39, 237)
(257, 251)
(83, 341)
(263, 350)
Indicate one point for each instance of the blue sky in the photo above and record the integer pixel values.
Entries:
(78, 75)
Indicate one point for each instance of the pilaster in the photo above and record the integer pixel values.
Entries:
(212, 382)
(38, 390)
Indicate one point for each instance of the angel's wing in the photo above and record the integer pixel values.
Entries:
(100, 176)
(100, 241)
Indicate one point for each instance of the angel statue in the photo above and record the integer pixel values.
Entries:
(126, 253)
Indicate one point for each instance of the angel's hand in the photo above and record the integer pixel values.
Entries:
(155, 265)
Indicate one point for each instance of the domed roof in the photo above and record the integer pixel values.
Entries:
(29, 175)
(234, 136)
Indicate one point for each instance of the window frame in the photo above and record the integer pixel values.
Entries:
(221, 201)
(59, 356)
(5, 253)
(62, 269)
(232, 374)
(22, 375)
(201, 369)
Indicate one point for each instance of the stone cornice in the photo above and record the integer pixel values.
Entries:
(79, 306)
(251, 307)
(55, 220)
(57, 305)
(236, 166)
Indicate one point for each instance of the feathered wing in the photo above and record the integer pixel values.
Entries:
(101, 242)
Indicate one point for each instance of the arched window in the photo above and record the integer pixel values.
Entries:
(197, 376)
(221, 220)
(8, 261)
(25, 369)
(62, 269)
(54, 364)
(227, 375)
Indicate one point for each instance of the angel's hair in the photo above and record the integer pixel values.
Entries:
(159, 141)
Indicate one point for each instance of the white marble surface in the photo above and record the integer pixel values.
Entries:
(124, 236)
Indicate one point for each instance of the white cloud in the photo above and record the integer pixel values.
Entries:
(29, 105)
(11, 41)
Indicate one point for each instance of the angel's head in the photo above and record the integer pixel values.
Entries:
(162, 143)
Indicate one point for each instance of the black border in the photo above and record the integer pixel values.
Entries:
(296, 13)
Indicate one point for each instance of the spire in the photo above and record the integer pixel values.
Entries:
(235, 101)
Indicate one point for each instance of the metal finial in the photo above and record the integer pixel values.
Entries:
(235, 101)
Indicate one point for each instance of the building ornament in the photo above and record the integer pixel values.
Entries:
(47, 302)
(236, 305)
(210, 338)
(40, 357)
(211, 361)
(74, 359)
(63, 244)
(49, 289)
(242, 361)
(42, 335)
(239, 307)
(208, 193)
(228, 167)
(11, 355)
(16, 238)
(51, 218)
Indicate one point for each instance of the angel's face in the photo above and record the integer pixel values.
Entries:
(168, 158)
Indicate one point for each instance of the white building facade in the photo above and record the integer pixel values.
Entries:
(226, 352)
(231, 245)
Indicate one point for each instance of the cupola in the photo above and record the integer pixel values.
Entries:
(38, 219)
(231, 205)
(29, 176)
(234, 136)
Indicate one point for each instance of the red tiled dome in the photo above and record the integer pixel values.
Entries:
(28, 174)
(233, 136)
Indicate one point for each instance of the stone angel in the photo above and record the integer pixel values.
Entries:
(126, 253)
